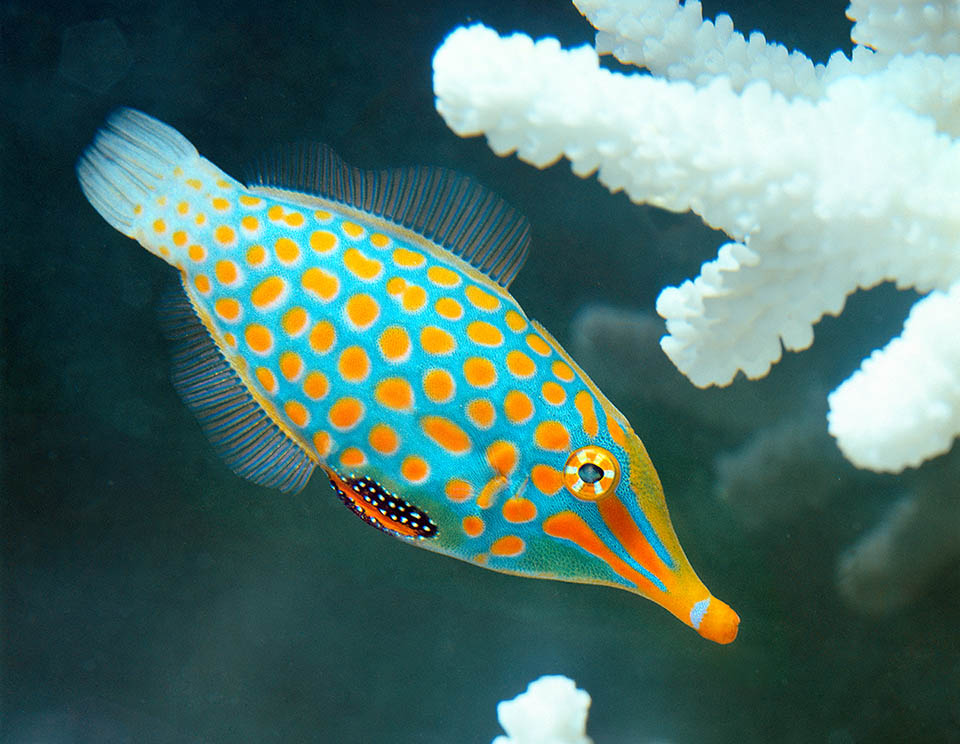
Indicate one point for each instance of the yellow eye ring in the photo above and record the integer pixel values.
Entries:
(591, 473)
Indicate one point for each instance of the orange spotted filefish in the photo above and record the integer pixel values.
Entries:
(359, 322)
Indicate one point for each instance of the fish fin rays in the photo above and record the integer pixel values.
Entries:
(241, 432)
(447, 208)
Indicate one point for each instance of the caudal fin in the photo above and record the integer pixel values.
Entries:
(128, 162)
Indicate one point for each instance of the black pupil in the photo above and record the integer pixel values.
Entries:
(590, 473)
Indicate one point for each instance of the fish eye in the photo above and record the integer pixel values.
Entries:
(591, 473)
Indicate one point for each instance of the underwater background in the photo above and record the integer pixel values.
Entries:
(149, 595)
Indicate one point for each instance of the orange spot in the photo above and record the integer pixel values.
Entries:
(437, 341)
(322, 443)
(268, 292)
(354, 364)
(287, 250)
(394, 393)
(502, 457)
(256, 254)
(296, 413)
(345, 413)
(394, 343)
(294, 321)
(520, 365)
(138, 209)
(396, 285)
(552, 436)
(515, 321)
(362, 267)
(588, 415)
(553, 393)
(519, 510)
(414, 298)
(352, 457)
(250, 223)
(353, 230)
(227, 308)
(202, 283)
(407, 258)
(508, 546)
(480, 372)
(362, 310)
(159, 226)
(484, 334)
(291, 365)
(323, 241)
(379, 240)
(267, 380)
(164, 251)
(562, 371)
(384, 439)
(446, 434)
(458, 490)
(567, 525)
(225, 235)
(536, 343)
(250, 201)
(322, 337)
(258, 338)
(220, 204)
(616, 433)
(179, 237)
(322, 215)
(316, 386)
(490, 491)
(438, 385)
(162, 201)
(473, 526)
(546, 479)
(442, 276)
(414, 468)
(517, 407)
(223, 183)
(226, 272)
(481, 300)
(481, 413)
(194, 183)
(449, 308)
(230, 340)
(320, 283)
(200, 219)
(196, 253)
(183, 208)
(294, 219)
(275, 212)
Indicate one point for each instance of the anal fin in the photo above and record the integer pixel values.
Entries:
(241, 432)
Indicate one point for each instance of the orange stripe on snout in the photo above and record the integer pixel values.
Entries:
(569, 526)
(621, 524)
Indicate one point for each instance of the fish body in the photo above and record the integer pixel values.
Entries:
(360, 323)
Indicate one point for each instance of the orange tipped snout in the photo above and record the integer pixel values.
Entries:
(715, 620)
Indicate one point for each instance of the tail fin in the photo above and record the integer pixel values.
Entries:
(128, 162)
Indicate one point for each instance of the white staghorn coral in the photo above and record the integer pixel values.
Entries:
(828, 178)
(551, 711)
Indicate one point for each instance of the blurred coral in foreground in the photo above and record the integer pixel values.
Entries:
(827, 178)
(551, 711)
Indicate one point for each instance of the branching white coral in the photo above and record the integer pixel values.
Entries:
(551, 711)
(827, 178)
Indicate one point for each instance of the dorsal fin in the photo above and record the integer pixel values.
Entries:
(240, 430)
(450, 209)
